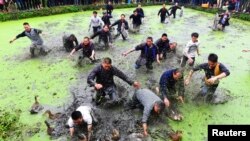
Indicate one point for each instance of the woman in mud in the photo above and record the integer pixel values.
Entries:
(214, 71)
(171, 83)
(149, 53)
(104, 84)
(34, 35)
(104, 36)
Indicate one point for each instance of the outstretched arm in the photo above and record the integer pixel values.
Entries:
(18, 36)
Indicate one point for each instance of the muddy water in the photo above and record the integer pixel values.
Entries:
(56, 79)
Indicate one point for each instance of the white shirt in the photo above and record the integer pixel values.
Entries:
(96, 21)
(191, 48)
(85, 110)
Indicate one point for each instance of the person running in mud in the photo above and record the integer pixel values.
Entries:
(68, 42)
(189, 52)
(96, 22)
(149, 53)
(122, 25)
(172, 91)
(109, 8)
(104, 84)
(151, 104)
(214, 71)
(80, 123)
(137, 21)
(87, 50)
(34, 35)
(104, 36)
(173, 9)
(224, 20)
(162, 12)
(106, 18)
(140, 11)
(164, 46)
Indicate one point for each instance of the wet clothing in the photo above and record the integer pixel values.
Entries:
(162, 12)
(106, 19)
(96, 23)
(148, 55)
(224, 20)
(103, 36)
(33, 35)
(120, 24)
(140, 12)
(173, 10)
(169, 86)
(86, 50)
(163, 46)
(145, 98)
(190, 50)
(136, 19)
(68, 43)
(109, 9)
(85, 111)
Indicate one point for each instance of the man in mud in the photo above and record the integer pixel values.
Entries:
(80, 123)
(172, 91)
(224, 20)
(122, 25)
(104, 36)
(96, 22)
(149, 53)
(68, 42)
(140, 11)
(164, 46)
(104, 83)
(162, 13)
(214, 71)
(173, 9)
(87, 50)
(136, 21)
(109, 8)
(34, 35)
(106, 18)
(151, 104)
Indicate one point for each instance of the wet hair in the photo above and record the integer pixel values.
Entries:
(94, 12)
(25, 23)
(150, 38)
(107, 60)
(164, 34)
(213, 57)
(195, 34)
(161, 106)
(86, 38)
(76, 115)
(123, 15)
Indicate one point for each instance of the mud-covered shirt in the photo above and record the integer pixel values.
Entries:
(33, 35)
(210, 72)
(146, 98)
(147, 52)
(168, 82)
(191, 48)
(106, 77)
(85, 111)
(162, 45)
(67, 40)
(119, 24)
(162, 12)
(136, 19)
(106, 36)
(86, 49)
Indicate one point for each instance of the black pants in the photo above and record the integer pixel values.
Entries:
(163, 17)
(144, 61)
(174, 13)
(184, 61)
(95, 29)
(110, 91)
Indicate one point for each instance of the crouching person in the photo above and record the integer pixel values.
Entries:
(68, 42)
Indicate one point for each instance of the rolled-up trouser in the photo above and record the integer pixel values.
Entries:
(144, 61)
(96, 28)
(34, 47)
(184, 61)
(110, 91)
(163, 17)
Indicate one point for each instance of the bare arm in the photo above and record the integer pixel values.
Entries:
(129, 51)
(72, 52)
(71, 130)
(145, 129)
(89, 132)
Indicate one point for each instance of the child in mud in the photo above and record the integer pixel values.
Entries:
(136, 21)
(68, 42)
(214, 71)
(96, 22)
(149, 53)
(162, 12)
(173, 9)
(122, 26)
(87, 50)
(104, 83)
(189, 52)
(80, 123)
(172, 91)
(104, 36)
(164, 46)
(34, 35)
(150, 103)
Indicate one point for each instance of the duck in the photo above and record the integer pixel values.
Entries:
(49, 129)
(52, 116)
(36, 107)
(176, 136)
(115, 135)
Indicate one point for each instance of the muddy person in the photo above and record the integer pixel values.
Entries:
(164, 46)
(189, 52)
(69, 42)
(87, 50)
(34, 35)
(136, 21)
(174, 9)
(140, 11)
(151, 104)
(109, 8)
(104, 36)
(172, 91)
(80, 123)
(122, 26)
(104, 83)
(95, 22)
(224, 20)
(106, 18)
(162, 13)
(214, 71)
(149, 54)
